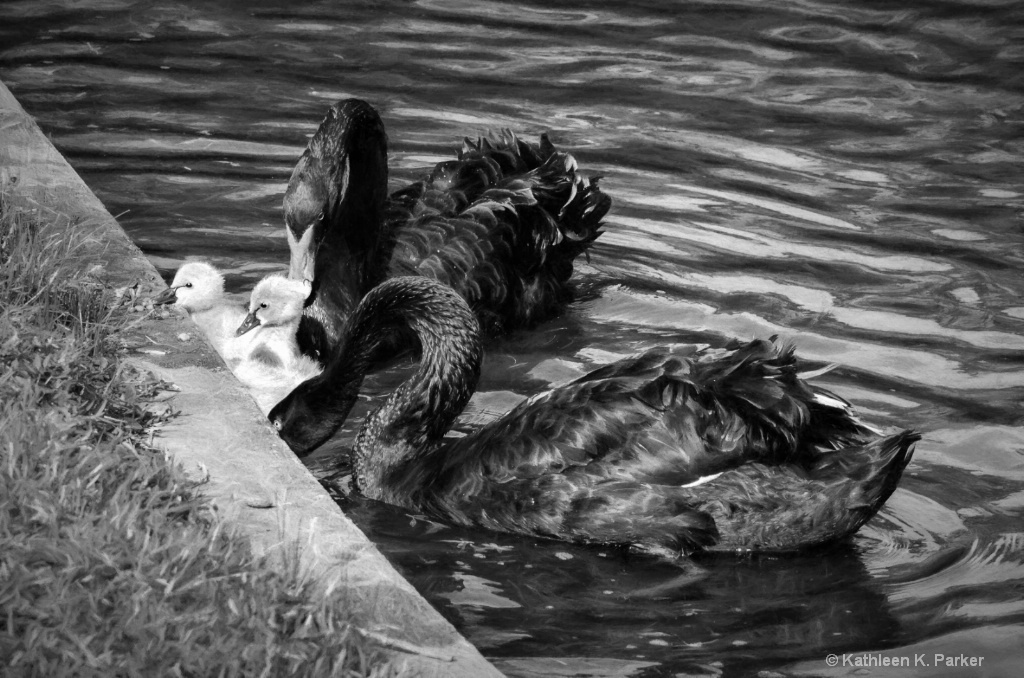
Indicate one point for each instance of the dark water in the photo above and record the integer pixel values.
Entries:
(847, 175)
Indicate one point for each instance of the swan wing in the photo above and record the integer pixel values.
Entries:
(667, 417)
(502, 226)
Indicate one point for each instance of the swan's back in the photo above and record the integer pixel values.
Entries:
(713, 409)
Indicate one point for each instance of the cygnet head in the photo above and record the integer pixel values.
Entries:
(197, 287)
(276, 301)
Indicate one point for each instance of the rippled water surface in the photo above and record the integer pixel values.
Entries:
(847, 175)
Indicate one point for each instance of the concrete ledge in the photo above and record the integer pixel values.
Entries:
(253, 478)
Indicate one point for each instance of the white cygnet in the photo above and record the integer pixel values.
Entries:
(198, 289)
(273, 364)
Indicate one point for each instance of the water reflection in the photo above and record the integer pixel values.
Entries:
(568, 599)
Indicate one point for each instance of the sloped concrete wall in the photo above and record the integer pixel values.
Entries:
(253, 478)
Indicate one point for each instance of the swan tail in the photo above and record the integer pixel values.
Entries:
(854, 485)
(875, 468)
(788, 508)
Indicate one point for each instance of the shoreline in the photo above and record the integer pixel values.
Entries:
(254, 480)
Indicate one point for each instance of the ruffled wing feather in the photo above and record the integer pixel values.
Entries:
(501, 225)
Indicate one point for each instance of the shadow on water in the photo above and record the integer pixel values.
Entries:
(845, 175)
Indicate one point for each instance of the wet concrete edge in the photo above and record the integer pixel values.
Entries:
(255, 481)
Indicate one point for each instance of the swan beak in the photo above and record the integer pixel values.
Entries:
(303, 254)
(168, 296)
(250, 322)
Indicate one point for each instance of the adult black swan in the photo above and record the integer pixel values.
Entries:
(501, 225)
(675, 450)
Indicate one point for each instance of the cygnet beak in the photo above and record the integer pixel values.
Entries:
(168, 296)
(249, 323)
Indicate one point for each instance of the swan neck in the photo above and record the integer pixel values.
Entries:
(414, 419)
(358, 194)
(350, 249)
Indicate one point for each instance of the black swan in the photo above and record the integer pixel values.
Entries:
(501, 225)
(672, 451)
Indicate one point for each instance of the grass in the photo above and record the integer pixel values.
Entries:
(111, 561)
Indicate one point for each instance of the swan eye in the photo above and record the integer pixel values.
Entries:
(263, 305)
(188, 284)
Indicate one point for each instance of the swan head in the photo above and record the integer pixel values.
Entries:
(276, 301)
(197, 287)
(338, 185)
(299, 418)
(451, 354)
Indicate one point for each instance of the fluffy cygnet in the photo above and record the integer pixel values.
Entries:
(198, 289)
(273, 364)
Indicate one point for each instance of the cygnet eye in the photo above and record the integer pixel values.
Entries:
(277, 424)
